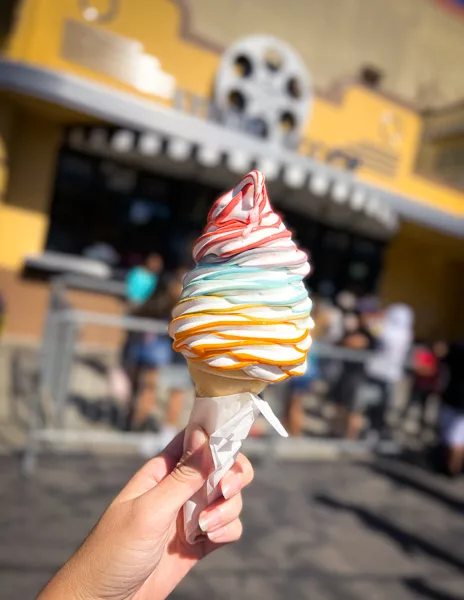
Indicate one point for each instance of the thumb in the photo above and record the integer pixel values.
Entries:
(190, 473)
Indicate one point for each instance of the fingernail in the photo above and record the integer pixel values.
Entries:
(209, 520)
(232, 486)
(214, 536)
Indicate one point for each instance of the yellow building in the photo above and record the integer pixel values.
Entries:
(118, 114)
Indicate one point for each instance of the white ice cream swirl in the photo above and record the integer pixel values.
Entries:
(245, 307)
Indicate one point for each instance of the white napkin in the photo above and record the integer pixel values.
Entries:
(227, 420)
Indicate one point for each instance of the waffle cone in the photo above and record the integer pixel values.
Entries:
(208, 384)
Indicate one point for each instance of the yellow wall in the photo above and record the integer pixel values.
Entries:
(358, 118)
(415, 43)
(24, 208)
(156, 24)
(426, 270)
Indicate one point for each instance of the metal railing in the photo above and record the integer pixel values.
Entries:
(60, 348)
(64, 347)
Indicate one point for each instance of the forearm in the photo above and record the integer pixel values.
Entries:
(59, 588)
(67, 583)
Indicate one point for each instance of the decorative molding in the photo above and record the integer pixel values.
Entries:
(334, 93)
(187, 33)
(457, 105)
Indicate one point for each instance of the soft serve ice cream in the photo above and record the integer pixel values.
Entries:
(244, 309)
(242, 322)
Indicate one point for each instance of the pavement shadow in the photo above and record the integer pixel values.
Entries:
(423, 589)
(405, 476)
(408, 542)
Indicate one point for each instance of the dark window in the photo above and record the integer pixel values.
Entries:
(339, 260)
(8, 11)
(136, 212)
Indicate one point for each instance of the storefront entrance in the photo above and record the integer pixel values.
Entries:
(117, 213)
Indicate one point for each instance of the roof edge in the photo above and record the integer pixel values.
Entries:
(125, 109)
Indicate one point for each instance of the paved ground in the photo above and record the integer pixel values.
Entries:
(335, 530)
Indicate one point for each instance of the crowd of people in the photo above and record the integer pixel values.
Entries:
(376, 352)
(361, 351)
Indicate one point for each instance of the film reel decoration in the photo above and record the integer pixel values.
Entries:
(262, 86)
(95, 15)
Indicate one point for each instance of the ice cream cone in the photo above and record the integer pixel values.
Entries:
(242, 322)
(221, 403)
(210, 384)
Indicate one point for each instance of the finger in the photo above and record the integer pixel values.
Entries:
(240, 475)
(220, 513)
(154, 471)
(227, 534)
(188, 476)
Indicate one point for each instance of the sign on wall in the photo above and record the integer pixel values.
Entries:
(116, 56)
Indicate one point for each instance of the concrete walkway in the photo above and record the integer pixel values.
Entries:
(331, 531)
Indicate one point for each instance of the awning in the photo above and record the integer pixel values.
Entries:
(156, 133)
(317, 194)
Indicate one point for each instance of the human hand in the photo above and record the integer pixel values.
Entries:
(138, 550)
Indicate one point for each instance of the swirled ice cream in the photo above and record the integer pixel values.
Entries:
(244, 310)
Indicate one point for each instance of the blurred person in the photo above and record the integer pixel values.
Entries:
(372, 314)
(333, 322)
(150, 352)
(331, 331)
(369, 304)
(102, 249)
(345, 303)
(387, 365)
(141, 281)
(452, 410)
(429, 379)
(346, 390)
(138, 550)
(298, 387)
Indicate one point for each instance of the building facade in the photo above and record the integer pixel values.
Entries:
(122, 120)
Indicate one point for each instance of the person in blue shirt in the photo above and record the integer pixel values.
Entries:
(148, 353)
(298, 387)
(141, 281)
(141, 284)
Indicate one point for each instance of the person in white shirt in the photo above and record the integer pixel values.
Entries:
(387, 365)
